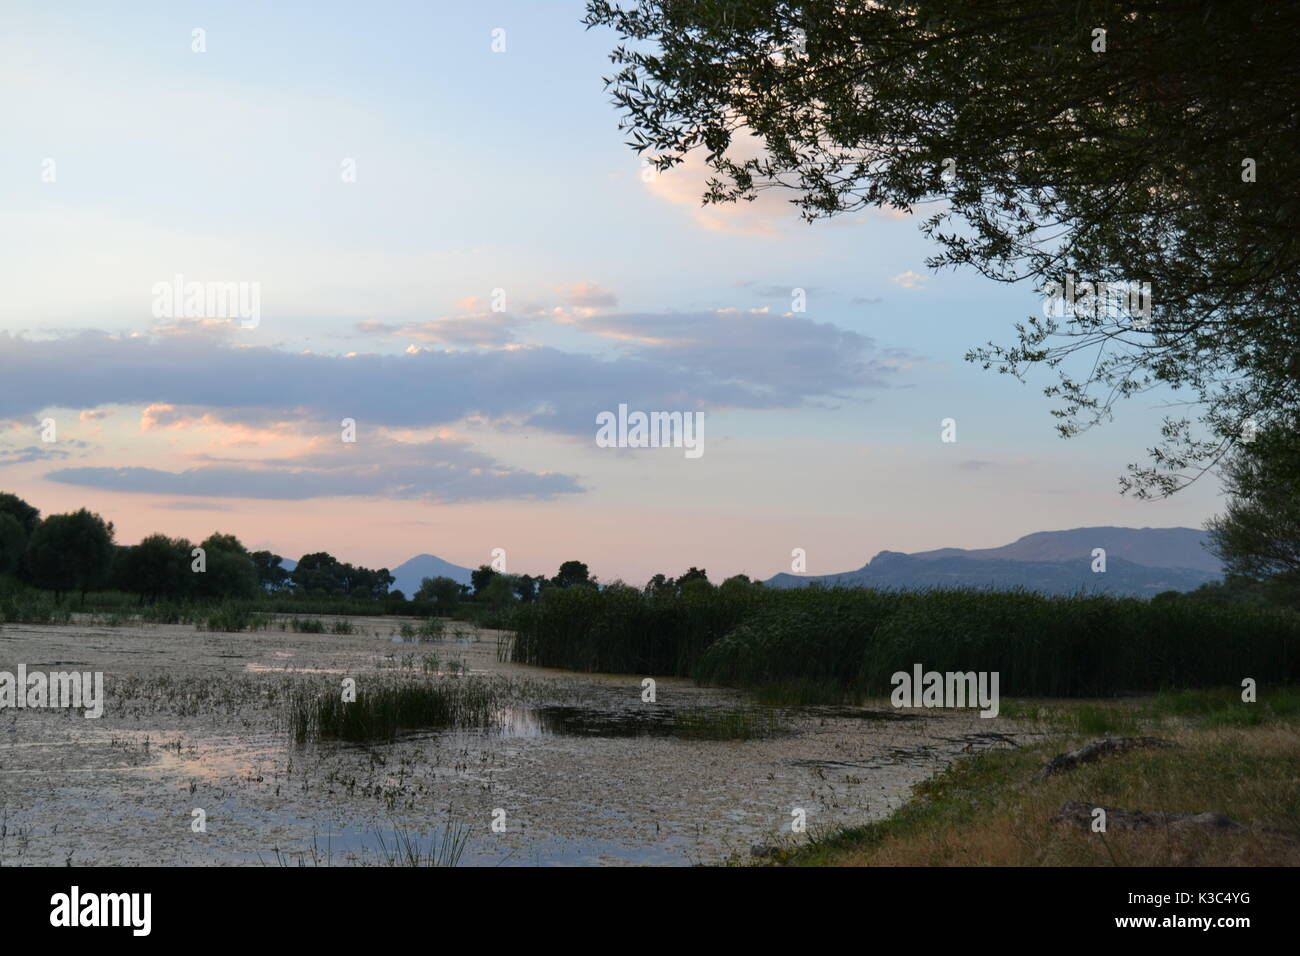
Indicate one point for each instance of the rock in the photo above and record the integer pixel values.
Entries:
(765, 850)
(1079, 813)
(1100, 748)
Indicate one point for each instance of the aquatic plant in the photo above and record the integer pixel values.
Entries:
(232, 616)
(442, 848)
(384, 707)
(430, 629)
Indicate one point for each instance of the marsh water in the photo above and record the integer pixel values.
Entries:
(191, 762)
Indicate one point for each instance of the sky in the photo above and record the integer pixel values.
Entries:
(451, 247)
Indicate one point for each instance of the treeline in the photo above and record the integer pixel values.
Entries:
(494, 588)
(76, 553)
(496, 596)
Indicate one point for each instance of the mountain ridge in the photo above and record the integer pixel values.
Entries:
(1139, 562)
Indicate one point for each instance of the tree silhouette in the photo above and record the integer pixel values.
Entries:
(71, 552)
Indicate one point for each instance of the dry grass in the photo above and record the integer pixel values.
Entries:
(995, 809)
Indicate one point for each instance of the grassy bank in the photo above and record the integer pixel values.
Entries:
(814, 645)
(996, 809)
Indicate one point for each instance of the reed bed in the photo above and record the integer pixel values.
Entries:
(814, 645)
(384, 708)
(622, 630)
(32, 608)
(233, 617)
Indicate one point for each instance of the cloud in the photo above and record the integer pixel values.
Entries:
(771, 214)
(481, 329)
(160, 415)
(910, 280)
(198, 328)
(760, 360)
(687, 183)
(785, 292)
(675, 361)
(21, 456)
(587, 295)
(438, 470)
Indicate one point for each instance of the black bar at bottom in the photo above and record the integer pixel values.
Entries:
(335, 906)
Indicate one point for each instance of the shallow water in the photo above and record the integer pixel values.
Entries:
(581, 772)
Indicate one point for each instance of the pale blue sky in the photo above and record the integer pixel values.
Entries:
(476, 171)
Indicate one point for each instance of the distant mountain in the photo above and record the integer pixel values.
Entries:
(1153, 547)
(1140, 562)
(410, 573)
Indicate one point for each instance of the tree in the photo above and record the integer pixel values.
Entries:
(230, 571)
(21, 511)
(71, 552)
(739, 584)
(661, 586)
(373, 584)
(528, 588)
(1146, 142)
(1259, 534)
(157, 567)
(224, 542)
(572, 574)
(496, 597)
(694, 574)
(481, 577)
(13, 542)
(271, 574)
(442, 591)
(318, 573)
(322, 573)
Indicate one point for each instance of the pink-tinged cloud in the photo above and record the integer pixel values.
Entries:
(480, 330)
(702, 360)
(587, 296)
(436, 471)
(160, 415)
